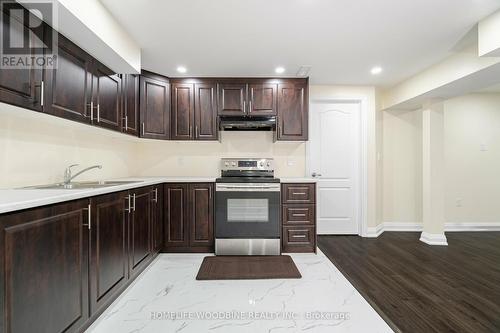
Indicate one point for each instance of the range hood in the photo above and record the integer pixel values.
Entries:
(239, 123)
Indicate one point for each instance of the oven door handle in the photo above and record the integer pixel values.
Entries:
(247, 188)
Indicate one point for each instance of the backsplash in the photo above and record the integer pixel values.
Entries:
(35, 148)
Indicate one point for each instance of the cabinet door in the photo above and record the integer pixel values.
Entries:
(106, 91)
(157, 219)
(262, 99)
(201, 215)
(140, 229)
(292, 112)
(130, 104)
(176, 211)
(155, 108)
(44, 269)
(108, 248)
(182, 111)
(205, 111)
(20, 86)
(68, 86)
(232, 99)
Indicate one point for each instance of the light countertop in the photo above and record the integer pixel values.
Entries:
(298, 180)
(18, 199)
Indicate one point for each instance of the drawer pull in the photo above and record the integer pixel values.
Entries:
(298, 236)
(299, 193)
(299, 215)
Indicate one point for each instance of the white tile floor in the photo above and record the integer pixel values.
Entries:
(169, 286)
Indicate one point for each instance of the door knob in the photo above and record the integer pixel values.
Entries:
(314, 174)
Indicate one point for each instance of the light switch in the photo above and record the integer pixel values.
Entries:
(484, 147)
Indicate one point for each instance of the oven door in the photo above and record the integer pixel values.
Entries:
(247, 210)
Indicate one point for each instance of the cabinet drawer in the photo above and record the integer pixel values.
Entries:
(298, 214)
(299, 239)
(298, 193)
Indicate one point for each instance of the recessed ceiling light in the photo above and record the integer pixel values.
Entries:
(376, 70)
(280, 70)
(181, 69)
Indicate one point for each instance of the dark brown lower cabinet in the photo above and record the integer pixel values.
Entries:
(189, 217)
(298, 217)
(157, 219)
(43, 269)
(139, 229)
(62, 265)
(108, 264)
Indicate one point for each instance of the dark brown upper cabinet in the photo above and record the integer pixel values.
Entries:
(106, 91)
(232, 99)
(68, 87)
(44, 269)
(205, 111)
(292, 112)
(182, 111)
(130, 124)
(253, 98)
(194, 111)
(154, 106)
(21, 87)
(262, 99)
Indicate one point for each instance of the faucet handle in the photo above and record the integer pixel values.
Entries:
(67, 172)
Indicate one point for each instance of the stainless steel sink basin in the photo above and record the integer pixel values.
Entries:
(83, 185)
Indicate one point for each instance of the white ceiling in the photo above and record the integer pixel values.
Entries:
(341, 39)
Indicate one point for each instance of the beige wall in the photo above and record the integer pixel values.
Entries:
(35, 149)
(472, 185)
(472, 175)
(171, 158)
(402, 166)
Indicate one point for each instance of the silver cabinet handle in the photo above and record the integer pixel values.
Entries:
(126, 122)
(128, 209)
(89, 218)
(143, 131)
(299, 193)
(98, 113)
(155, 199)
(91, 110)
(133, 200)
(250, 106)
(299, 236)
(299, 215)
(244, 106)
(42, 86)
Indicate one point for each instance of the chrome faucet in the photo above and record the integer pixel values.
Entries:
(68, 177)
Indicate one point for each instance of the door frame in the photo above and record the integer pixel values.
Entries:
(362, 183)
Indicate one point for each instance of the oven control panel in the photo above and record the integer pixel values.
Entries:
(242, 164)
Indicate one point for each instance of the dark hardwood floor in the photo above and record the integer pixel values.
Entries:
(420, 288)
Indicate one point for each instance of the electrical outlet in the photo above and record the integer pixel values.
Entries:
(290, 162)
(483, 147)
(458, 202)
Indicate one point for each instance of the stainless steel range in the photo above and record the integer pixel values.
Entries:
(247, 200)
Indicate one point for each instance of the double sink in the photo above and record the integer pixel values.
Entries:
(83, 185)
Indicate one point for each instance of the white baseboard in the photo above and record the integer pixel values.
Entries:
(433, 239)
(471, 226)
(373, 232)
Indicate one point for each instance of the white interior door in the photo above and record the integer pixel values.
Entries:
(334, 159)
